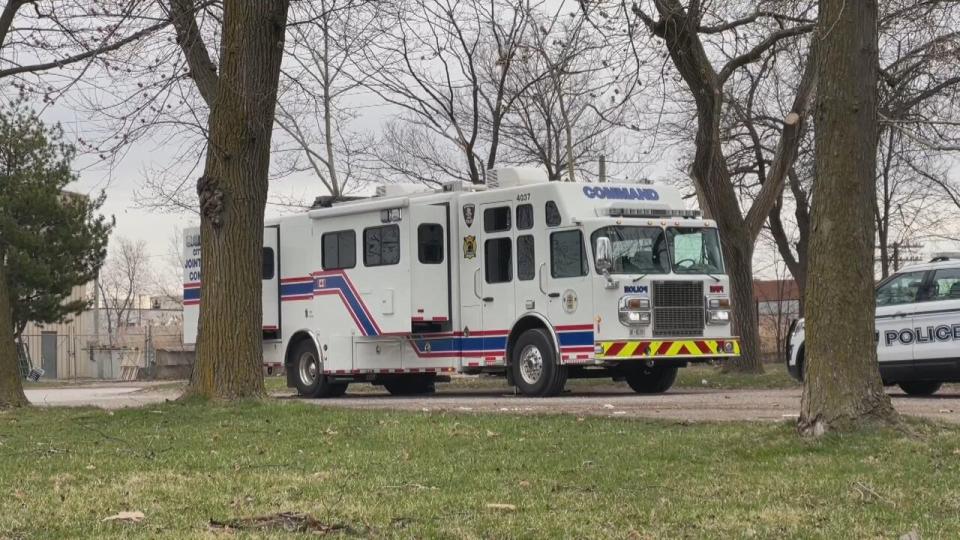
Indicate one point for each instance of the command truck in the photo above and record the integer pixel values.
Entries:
(534, 280)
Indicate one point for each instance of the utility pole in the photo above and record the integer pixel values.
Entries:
(603, 168)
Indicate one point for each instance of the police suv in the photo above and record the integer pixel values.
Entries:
(917, 327)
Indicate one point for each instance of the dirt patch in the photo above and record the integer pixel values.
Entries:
(284, 521)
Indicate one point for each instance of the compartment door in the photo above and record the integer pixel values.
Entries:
(430, 264)
(270, 292)
(496, 281)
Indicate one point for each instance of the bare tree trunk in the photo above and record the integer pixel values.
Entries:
(842, 387)
(739, 258)
(233, 193)
(11, 387)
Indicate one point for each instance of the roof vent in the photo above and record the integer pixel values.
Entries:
(516, 176)
(461, 185)
(399, 190)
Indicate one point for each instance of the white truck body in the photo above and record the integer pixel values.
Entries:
(439, 282)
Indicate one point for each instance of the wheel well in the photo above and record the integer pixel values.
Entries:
(295, 342)
(524, 324)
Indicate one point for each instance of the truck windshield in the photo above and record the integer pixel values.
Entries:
(695, 250)
(636, 250)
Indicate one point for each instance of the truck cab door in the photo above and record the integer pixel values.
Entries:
(270, 292)
(496, 277)
(896, 304)
(570, 291)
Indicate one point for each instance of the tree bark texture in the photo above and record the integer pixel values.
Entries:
(679, 28)
(842, 387)
(233, 193)
(11, 386)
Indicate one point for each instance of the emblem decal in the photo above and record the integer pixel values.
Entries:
(468, 213)
(570, 301)
(469, 247)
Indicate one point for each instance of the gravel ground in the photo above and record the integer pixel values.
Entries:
(684, 405)
(103, 395)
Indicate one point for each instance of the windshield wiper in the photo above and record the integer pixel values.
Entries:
(639, 278)
(715, 278)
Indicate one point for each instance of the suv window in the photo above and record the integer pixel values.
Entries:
(901, 289)
(945, 285)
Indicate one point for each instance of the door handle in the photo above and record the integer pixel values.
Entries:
(476, 285)
(540, 277)
(488, 299)
(554, 295)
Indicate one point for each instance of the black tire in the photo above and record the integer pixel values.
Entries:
(920, 388)
(534, 365)
(308, 373)
(410, 385)
(651, 380)
(337, 389)
(800, 364)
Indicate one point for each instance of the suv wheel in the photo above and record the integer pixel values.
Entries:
(920, 388)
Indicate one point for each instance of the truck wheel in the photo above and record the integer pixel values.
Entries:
(308, 374)
(410, 385)
(920, 388)
(534, 365)
(651, 380)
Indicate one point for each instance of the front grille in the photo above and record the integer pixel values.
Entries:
(678, 308)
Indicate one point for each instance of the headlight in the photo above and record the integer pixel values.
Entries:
(719, 303)
(638, 316)
(634, 310)
(632, 303)
(718, 317)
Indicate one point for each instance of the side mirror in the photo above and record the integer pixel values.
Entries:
(604, 261)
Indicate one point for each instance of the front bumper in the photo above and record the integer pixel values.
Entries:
(645, 349)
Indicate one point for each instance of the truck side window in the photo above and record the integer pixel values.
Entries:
(525, 216)
(566, 254)
(526, 260)
(900, 289)
(497, 260)
(496, 219)
(430, 243)
(553, 214)
(268, 270)
(339, 250)
(381, 245)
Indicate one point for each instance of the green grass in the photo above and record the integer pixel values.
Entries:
(701, 376)
(432, 475)
(693, 376)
